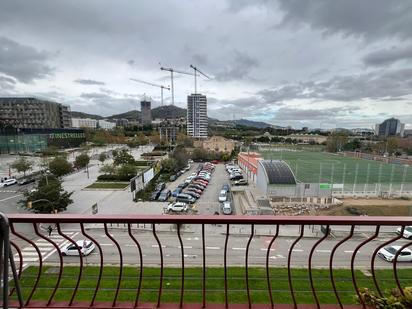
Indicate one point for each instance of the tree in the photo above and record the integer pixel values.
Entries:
(22, 165)
(49, 196)
(108, 169)
(102, 157)
(59, 166)
(127, 171)
(123, 157)
(336, 141)
(82, 160)
(169, 165)
(391, 145)
(181, 156)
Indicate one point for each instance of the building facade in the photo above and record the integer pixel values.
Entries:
(168, 133)
(84, 123)
(390, 127)
(32, 113)
(197, 122)
(249, 162)
(216, 143)
(146, 112)
(32, 140)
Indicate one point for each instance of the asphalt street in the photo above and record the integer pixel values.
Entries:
(214, 248)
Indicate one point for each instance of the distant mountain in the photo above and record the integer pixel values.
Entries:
(168, 111)
(130, 115)
(85, 115)
(251, 123)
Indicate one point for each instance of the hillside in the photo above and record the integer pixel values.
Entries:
(130, 115)
(168, 111)
(85, 115)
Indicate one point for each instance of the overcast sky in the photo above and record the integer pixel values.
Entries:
(316, 63)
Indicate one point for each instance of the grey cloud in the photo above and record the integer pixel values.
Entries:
(239, 67)
(295, 114)
(372, 19)
(200, 59)
(103, 104)
(374, 85)
(23, 62)
(385, 57)
(94, 95)
(7, 83)
(88, 82)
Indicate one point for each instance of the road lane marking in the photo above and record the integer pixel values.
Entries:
(106, 244)
(324, 251)
(213, 248)
(28, 253)
(128, 245)
(348, 251)
(157, 246)
(296, 250)
(238, 248)
(30, 259)
(10, 197)
(266, 249)
(185, 247)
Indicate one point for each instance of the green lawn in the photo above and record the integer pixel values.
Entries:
(214, 284)
(310, 166)
(108, 185)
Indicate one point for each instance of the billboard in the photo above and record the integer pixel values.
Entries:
(148, 175)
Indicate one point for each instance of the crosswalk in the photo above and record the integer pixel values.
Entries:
(30, 255)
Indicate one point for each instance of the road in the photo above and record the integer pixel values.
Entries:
(215, 243)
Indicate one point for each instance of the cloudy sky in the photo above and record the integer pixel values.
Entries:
(316, 63)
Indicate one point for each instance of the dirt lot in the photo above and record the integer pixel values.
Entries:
(371, 207)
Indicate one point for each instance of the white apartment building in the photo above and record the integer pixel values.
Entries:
(197, 122)
(92, 123)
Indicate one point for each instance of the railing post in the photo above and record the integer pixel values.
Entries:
(4, 257)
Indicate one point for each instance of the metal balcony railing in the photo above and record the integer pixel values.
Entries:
(146, 262)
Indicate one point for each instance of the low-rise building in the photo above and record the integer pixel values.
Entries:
(106, 125)
(84, 123)
(308, 138)
(168, 133)
(248, 161)
(216, 143)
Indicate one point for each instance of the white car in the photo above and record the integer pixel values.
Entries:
(223, 196)
(86, 247)
(388, 254)
(407, 232)
(177, 207)
(226, 208)
(8, 182)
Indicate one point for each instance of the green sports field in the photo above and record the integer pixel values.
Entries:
(355, 174)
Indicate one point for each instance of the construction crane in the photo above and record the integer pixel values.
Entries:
(171, 70)
(154, 85)
(196, 70)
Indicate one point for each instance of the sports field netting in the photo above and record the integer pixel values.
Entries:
(355, 174)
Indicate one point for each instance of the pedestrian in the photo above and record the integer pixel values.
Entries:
(50, 229)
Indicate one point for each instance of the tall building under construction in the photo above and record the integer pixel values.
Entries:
(146, 112)
(197, 122)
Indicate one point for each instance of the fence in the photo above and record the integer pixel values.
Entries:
(120, 272)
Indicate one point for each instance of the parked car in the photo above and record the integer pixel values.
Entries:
(199, 182)
(190, 161)
(226, 208)
(173, 177)
(189, 179)
(155, 194)
(241, 182)
(236, 177)
(179, 173)
(192, 194)
(160, 186)
(86, 247)
(197, 186)
(8, 182)
(198, 191)
(183, 185)
(226, 187)
(186, 198)
(388, 254)
(223, 196)
(177, 207)
(176, 191)
(25, 181)
(215, 162)
(164, 195)
(407, 232)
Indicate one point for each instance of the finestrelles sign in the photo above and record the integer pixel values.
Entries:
(66, 138)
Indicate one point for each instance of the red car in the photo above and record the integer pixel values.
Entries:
(198, 191)
(215, 162)
(202, 182)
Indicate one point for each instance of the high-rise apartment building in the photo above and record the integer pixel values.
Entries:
(197, 115)
(32, 113)
(390, 127)
(146, 112)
